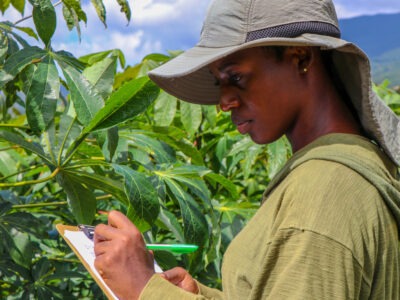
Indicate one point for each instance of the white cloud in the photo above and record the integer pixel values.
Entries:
(158, 25)
(348, 9)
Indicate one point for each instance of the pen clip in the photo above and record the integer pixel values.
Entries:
(87, 230)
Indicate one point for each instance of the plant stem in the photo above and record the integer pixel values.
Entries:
(22, 183)
(33, 205)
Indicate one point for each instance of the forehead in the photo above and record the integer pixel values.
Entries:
(239, 57)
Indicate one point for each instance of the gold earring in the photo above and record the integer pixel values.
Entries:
(305, 70)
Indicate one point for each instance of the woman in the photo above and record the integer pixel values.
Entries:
(328, 226)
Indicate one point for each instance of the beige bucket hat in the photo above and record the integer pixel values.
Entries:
(233, 25)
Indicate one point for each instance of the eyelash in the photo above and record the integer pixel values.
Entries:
(233, 79)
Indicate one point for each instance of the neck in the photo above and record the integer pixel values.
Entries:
(325, 112)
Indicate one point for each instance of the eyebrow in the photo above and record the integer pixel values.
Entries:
(226, 65)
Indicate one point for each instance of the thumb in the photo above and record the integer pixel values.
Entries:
(175, 275)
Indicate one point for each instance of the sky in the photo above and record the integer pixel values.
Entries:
(158, 25)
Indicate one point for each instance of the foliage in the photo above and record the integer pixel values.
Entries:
(76, 138)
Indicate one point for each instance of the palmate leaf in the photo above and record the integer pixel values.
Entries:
(42, 95)
(126, 103)
(86, 101)
(140, 192)
(80, 198)
(44, 17)
(18, 61)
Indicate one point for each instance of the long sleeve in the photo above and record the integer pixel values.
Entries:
(159, 288)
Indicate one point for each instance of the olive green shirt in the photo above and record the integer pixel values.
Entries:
(326, 230)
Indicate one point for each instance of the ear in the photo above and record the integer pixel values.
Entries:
(301, 58)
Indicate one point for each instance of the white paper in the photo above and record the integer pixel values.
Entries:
(85, 247)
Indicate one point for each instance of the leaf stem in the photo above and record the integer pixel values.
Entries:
(30, 16)
(22, 183)
(22, 171)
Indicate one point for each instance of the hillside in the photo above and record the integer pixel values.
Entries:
(379, 37)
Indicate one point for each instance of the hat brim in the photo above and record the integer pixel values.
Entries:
(188, 78)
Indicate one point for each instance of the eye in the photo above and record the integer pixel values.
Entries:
(234, 78)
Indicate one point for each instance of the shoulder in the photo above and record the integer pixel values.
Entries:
(330, 199)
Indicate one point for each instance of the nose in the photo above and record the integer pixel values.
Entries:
(228, 100)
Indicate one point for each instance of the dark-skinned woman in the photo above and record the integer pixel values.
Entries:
(328, 226)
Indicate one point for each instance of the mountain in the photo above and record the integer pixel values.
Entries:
(379, 37)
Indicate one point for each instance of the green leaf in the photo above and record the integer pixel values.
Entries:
(160, 151)
(29, 146)
(68, 131)
(22, 252)
(19, 5)
(64, 57)
(279, 153)
(18, 61)
(100, 10)
(191, 116)
(80, 198)
(71, 19)
(75, 6)
(42, 95)
(225, 183)
(86, 101)
(7, 165)
(29, 31)
(3, 47)
(98, 182)
(101, 76)
(44, 17)
(111, 143)
(172, 223)
(141, 193)
(125, 8)
(164, 109)
(4, 4)
(130, 100)
(194, 223)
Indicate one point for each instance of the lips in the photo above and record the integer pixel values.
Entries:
(243, 126)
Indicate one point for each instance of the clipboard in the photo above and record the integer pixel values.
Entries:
(64, 230)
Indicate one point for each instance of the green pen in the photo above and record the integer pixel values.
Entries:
(176, 248)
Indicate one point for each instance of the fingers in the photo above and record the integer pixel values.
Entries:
(119, 220)
(175, 275)
(181, 278)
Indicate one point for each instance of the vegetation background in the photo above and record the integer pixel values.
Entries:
(77, 138)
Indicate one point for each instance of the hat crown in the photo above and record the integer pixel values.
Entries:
(229, 22)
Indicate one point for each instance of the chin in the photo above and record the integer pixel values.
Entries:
(262, 140)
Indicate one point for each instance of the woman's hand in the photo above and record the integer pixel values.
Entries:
(121, 256)
(181, 278)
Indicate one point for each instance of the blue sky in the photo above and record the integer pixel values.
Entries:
(160, 25)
